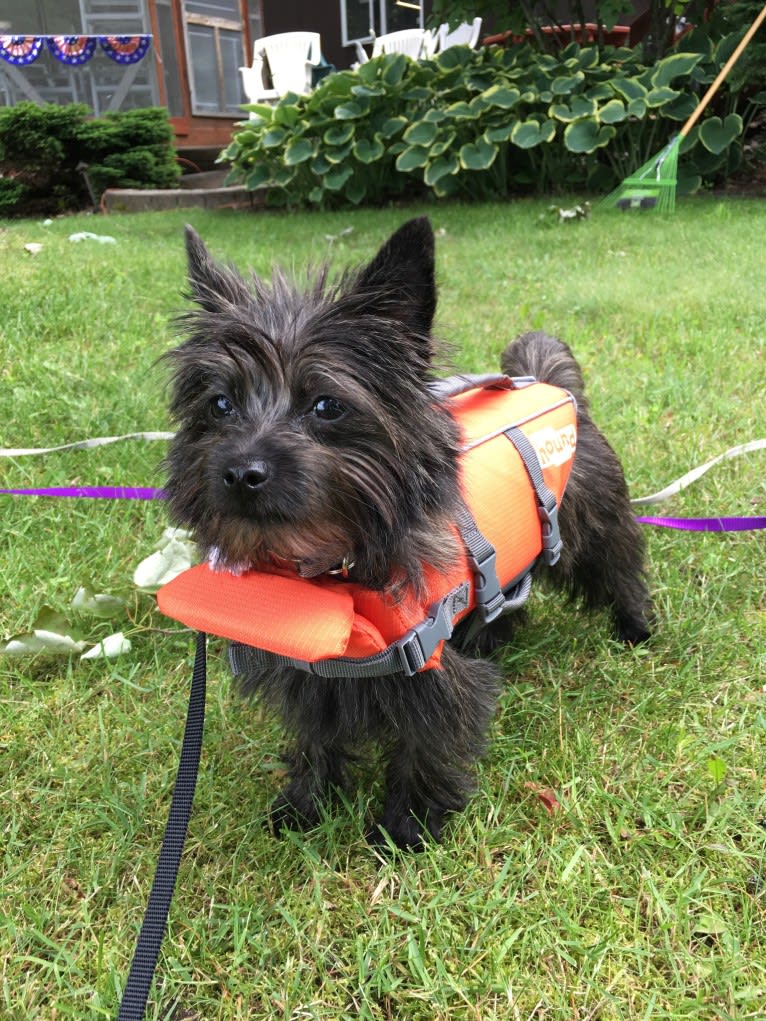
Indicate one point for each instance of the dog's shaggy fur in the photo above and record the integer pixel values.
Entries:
(307, 433)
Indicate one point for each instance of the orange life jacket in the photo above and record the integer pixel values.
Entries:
(518, 441)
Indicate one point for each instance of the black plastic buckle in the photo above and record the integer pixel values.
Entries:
(552, 543)
(488, 595)
(420, 643)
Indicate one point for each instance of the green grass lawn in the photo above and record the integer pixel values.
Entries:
(642, 896)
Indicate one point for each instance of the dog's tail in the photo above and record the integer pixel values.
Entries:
(546, 358)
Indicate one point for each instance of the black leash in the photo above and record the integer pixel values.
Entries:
(147, 949)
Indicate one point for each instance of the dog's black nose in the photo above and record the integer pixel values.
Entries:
(249, 476)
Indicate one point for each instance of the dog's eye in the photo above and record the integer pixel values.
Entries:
(329, 409)
(221, 406)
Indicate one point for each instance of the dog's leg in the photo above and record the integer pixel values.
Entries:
(315, 771)
(310, 711)
(438, 733)
(603, 556)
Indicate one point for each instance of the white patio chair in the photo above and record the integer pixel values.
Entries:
(466, 34)
(410, 41)
(281, 63)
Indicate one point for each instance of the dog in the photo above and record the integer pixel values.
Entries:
(309, 434)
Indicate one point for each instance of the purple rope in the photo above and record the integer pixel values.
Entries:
(94, 492)
(727, 524)
(707, 524)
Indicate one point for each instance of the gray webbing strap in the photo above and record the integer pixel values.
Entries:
(408, 655)
(547, 504)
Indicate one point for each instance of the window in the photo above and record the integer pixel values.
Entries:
(215, 52)
(361, 18)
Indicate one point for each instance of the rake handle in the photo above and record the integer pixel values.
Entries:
(723, 73)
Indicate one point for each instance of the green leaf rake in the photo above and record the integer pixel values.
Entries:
(653, 186)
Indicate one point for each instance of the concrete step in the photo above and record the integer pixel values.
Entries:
(196, 193)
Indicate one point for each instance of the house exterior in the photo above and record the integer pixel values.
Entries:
(181, 54)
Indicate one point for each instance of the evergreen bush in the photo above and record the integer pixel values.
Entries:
(46, 149)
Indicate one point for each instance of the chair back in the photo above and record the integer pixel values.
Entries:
(466, 34)
(408, 41)
(290, 56)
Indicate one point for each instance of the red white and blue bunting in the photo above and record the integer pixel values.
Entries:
(73, 50)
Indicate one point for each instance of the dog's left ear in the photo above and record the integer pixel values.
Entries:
(399, 282)
(213, 286)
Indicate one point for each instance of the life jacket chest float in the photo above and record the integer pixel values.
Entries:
(518, 443)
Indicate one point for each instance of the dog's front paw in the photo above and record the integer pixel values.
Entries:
(406, 833)
(631, 630)
(288, 813)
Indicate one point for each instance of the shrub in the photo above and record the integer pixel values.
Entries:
(44, 149)
(486, 123)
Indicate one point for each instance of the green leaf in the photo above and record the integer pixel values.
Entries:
(421, 133)
(320, 164)
(612, 112)
(629, 88)
(298, 150)
(413, 157)
(264, 111)
(417, 94)
(672, 66)
(579, 107)
(287, 114)
(588, 57)
(338, 134)
(273, 137)
(374, 89)
(443, 144)
(348, 111)
(440, 168)
(460, 110)
(660, 96)
(564, 85)
(258, 176)
(478, 155)
(501, 96)
(368, 151)
(454, 56)
(335, 179)
(392, 126)
(528, 134)
(717, 135)
(637, 108)
(500, 133)
(600, 91)
(478, 105)
(587, 135)
(356, 190)
(393, 68)
(283, 176)
(682, 108)
(337, 155)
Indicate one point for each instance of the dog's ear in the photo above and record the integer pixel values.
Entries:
(213, 286)
(399, 282)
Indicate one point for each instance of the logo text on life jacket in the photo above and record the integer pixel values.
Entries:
(554, 446)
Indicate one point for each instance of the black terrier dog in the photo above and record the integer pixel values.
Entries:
(308, 434)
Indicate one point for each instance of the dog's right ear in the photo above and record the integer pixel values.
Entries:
(214, 287)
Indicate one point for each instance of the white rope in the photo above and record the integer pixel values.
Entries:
(97, 441)
(696, 473)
